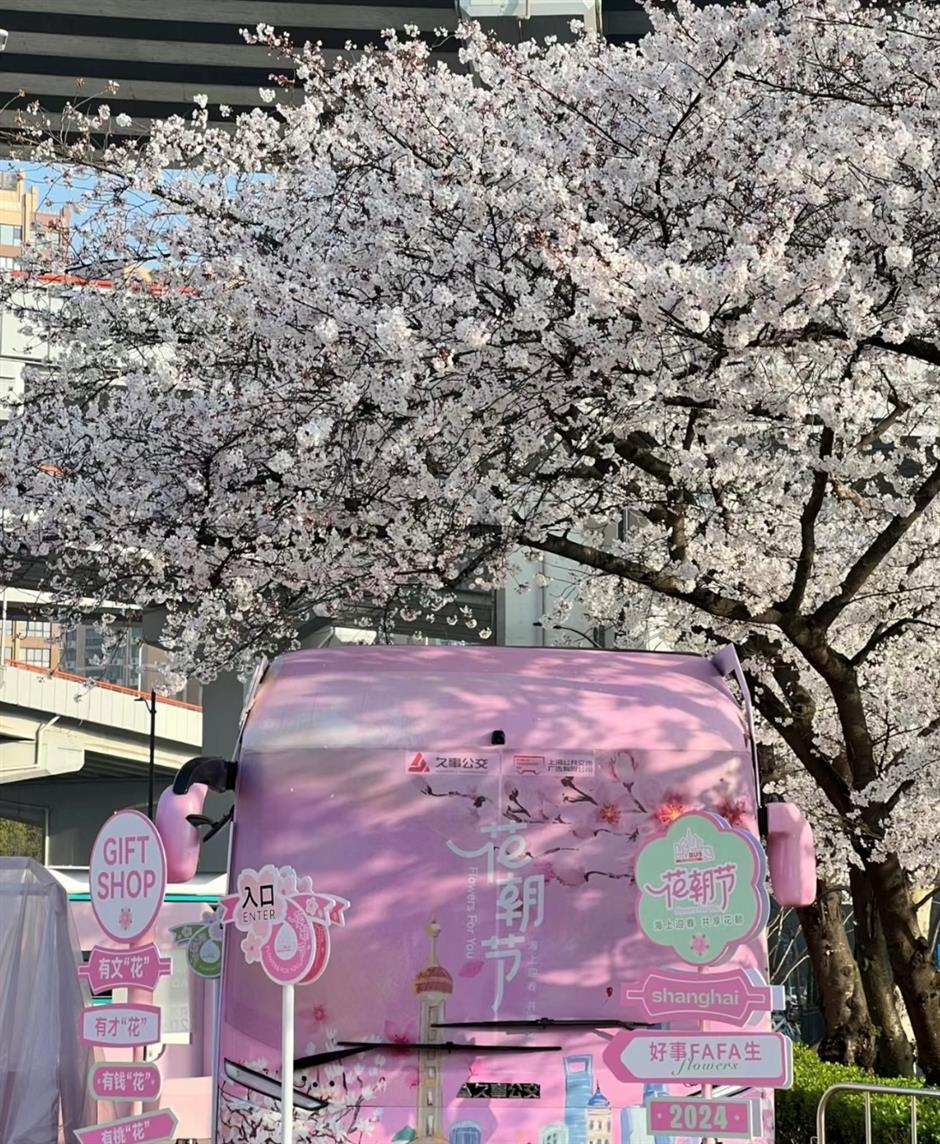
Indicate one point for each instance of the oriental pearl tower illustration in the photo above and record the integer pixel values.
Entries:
(433, 986)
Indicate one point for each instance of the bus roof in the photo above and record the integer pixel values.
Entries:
(414, 697)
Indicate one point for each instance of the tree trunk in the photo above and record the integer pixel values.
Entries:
(911, 963)
(895, 1056)
(849, 1037)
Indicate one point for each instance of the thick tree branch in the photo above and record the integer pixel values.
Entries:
(714, 603)
(808, 517)
(880, 547)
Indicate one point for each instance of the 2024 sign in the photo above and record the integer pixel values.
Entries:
(734, 1119)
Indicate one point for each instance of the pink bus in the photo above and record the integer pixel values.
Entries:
(478, 812)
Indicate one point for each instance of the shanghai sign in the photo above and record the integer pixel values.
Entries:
(732, 996)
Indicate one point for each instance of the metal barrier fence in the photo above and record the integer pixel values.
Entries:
(913, 1094)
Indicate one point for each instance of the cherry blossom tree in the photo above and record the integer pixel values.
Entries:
(667, 311)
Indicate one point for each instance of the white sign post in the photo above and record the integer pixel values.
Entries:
(126, 882)
(290, 928)
(287, 1072)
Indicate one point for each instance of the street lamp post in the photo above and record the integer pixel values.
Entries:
(151, 775)
(151, 705)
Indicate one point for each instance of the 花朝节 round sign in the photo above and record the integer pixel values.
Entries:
(702, 888)
(127, 875)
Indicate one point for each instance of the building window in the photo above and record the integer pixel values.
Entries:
(10, 235)
(8, 263)
(36, 656)
(22, 831)
(37, 628)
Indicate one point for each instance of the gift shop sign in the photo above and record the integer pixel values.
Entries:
(127, 875)
(726, 1119)
(701, 888)
(146, 1129)
(127, 881)
(648, 1056)
(733, 996)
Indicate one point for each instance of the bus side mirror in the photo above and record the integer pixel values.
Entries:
(180, 838)
(791, 855)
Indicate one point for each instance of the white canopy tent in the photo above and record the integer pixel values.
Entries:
(43, 1063)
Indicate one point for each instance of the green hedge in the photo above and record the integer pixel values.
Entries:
(845, 1121)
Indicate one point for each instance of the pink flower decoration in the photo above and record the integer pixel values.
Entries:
(316, 1014)
(671, 808)
(733, 811)
(251, 947)
(399, 1036)
(471, 968)
(700, 944)
(609, 806)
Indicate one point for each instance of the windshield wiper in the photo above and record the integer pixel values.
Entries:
(269, 1086)
(448, 1047)
(545, 1023)
(325, 1058)
(352, 1048)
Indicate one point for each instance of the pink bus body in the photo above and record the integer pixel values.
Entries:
(481, 810)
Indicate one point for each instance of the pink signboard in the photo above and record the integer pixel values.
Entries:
(725, 1119)
(702, 890)
(121, 1025)
(732, 996)
(147, 1129)
(763, 1059)
(122, 1081)
(139, 968)
(127, 875)
(286, 925)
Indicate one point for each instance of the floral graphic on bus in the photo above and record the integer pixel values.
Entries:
(612, 798)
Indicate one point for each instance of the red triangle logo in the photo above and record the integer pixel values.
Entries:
(418, 765)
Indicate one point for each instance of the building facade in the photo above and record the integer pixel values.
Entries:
(150, 63)
(22, 221)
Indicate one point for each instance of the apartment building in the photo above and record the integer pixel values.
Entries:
(22, 221)
(150, 62)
